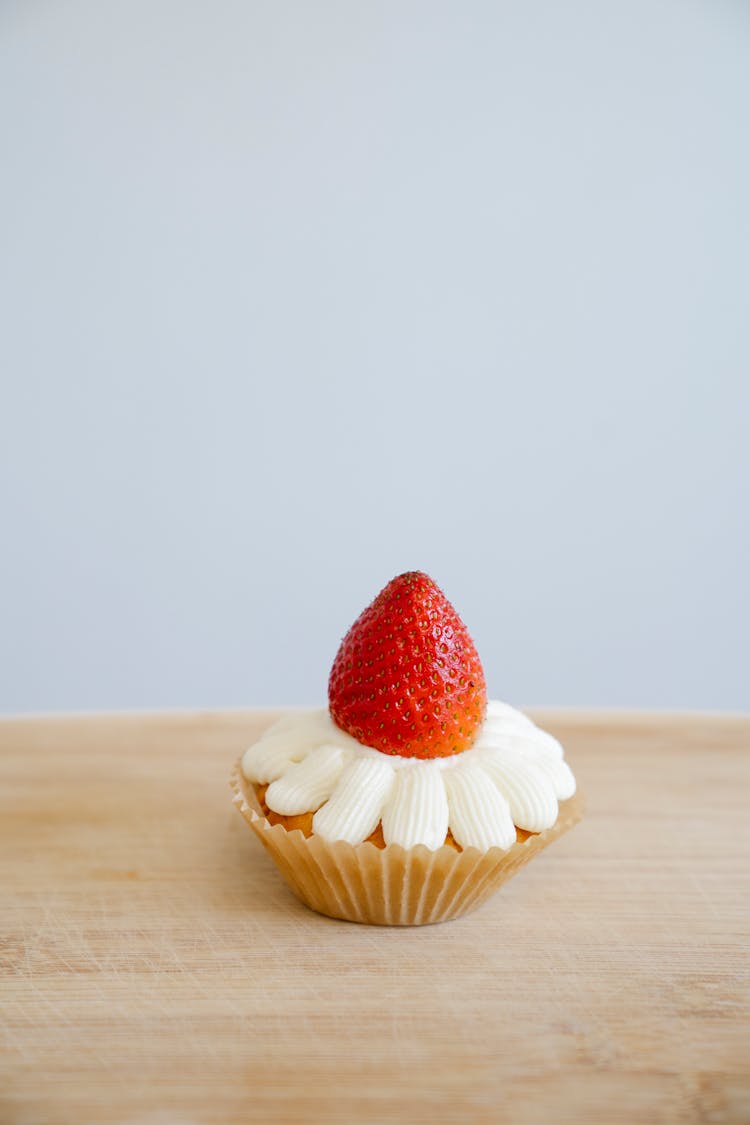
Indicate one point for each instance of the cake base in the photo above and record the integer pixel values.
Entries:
(391, 886)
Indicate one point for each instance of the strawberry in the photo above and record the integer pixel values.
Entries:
(407, 679)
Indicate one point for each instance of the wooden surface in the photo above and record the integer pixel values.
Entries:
(156, 971)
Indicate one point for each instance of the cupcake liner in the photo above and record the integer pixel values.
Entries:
(390, 886)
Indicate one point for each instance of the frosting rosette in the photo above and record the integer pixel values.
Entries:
(514, 775)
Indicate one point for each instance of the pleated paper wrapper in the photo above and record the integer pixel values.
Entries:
(390, 886)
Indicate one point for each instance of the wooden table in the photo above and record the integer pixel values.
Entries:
(156, 971)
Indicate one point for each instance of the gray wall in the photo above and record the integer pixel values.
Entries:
(299, 295)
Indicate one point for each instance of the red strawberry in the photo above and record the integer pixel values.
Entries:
(407, 678)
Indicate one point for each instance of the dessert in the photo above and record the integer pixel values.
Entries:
(411, 798)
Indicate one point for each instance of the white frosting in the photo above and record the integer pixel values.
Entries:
(417, 812)
(357, 803)
(479, 813)
(514, 774)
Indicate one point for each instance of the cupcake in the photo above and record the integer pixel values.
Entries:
(411, 798)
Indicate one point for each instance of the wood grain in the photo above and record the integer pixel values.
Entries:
(156, 971)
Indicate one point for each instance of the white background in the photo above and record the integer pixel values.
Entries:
(296, 296)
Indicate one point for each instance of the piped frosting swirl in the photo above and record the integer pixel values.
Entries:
(513, 775)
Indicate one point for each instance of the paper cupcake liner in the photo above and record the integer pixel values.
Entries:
(390, 886)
